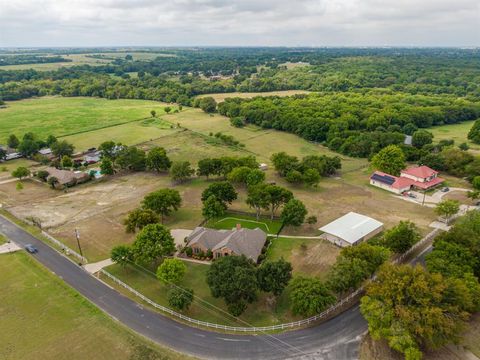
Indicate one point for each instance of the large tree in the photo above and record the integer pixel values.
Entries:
(293, 213)
(277, 196)
(181, 171)
(413, 309)
(447, 209)
(157, 160)
(273, 276)
(131, 158)
(234, 279)
(283, 163)
(474, 133)
(171, 271)
(21, 172)
(421, 138)
(121, 255)
(309, 296)
(62, 148)
(401, 237)
(152, 243)
(180, 298)
(163, 201)
(258, 198)
(137, 219)
(13, 141)
(223, 191)
(213, 208)
(390, 160)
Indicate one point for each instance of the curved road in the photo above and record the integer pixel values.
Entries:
(338, 338)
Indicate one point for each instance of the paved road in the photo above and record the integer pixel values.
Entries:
(336, 339)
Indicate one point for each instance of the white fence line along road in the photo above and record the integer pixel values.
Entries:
(295, 324)
(64, 247)
(254, 329)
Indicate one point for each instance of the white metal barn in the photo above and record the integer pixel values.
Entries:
(351, 229)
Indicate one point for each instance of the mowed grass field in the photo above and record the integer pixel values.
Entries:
(43, 318)
(64, 116)
(457, 132)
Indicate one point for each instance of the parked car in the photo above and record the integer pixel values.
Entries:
(31, 249)
(412, 195)
(445, 189)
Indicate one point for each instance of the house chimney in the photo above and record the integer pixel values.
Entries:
(239, 226)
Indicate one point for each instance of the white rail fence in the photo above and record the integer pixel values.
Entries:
(252, 329)
(305, 322)
(64, 247)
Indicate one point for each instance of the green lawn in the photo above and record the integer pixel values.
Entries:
(3, 239)
(205, 307)
(231, 220)
(63, 116)
(43, 318)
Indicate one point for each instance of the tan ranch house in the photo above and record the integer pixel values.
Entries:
(237, 241)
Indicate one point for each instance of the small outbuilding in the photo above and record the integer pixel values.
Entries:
(351, 229)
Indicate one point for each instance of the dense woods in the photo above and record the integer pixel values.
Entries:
(355, 124)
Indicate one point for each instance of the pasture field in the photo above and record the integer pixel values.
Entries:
(457, 132)
(248, 95)
(64, 116)
(99, 208)
(43, 318)
(85, 59)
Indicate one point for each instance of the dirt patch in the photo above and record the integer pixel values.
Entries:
(97, 209)
(314, 257)
(460, 196)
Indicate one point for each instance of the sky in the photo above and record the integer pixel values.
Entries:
(52, 23)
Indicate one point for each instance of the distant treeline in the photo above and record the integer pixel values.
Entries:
(190, 72)
(30, 59)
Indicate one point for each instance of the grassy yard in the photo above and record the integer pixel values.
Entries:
(205, 307)
(43, 318)
(231, 220)
(307, 256)
(62, 116)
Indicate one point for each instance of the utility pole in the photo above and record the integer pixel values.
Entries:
(424, 192)
(77, 235)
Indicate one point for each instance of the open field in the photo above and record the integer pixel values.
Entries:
(131, 133)
(63, 116)
(221, 97)
(457, 132)
(84, 59)
(98, 208)
(43, 318)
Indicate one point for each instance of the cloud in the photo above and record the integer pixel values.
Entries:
(241, 22)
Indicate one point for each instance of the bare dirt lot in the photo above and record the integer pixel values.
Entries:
(96, 209)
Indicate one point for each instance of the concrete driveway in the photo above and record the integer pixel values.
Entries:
(179, 236)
